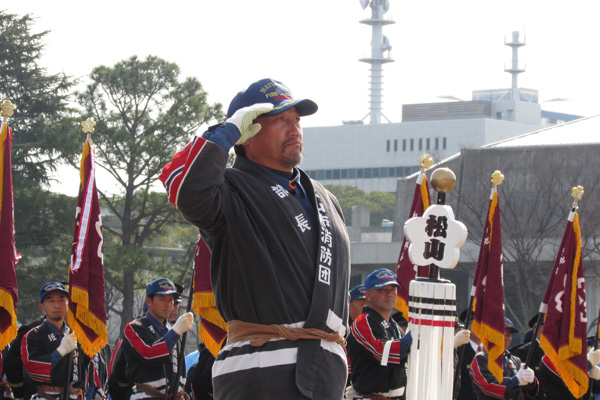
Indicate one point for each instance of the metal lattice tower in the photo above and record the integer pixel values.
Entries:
(379, 46)
(515, 70)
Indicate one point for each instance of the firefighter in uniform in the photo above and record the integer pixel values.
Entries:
(376, 347)
(152, 348)
(536, 358)
(46, 349)
(517, 382)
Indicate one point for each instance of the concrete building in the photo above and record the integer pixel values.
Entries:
(540, 168)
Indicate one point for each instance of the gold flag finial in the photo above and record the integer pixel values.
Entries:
(8, 108)
(88, 125)
(577, 194)
(497, 178)
(425, 161)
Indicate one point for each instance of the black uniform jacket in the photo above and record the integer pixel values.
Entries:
(369, 335)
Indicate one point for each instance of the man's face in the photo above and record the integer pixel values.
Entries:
(174, 313)
(279, 144)
(160, 306)
(382, 300)
(507, 338)
(55, 306)
(356, 307)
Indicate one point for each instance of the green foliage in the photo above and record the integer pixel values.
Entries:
(144, 114)
(381, 204)
(44, 240)
(40, 122)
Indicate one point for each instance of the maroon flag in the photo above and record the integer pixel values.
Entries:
(407, 271)
(213, 329)
(488, 290)
(564, 336)
(87, 308)
(9, 258)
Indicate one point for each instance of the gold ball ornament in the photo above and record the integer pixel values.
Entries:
(443, 180)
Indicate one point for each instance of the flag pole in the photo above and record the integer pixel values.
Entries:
(181, 360)
(87, 127)
(497, 178)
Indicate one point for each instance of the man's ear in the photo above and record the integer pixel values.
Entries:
(41, 306)
(148, 301)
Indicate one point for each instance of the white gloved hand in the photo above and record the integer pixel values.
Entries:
(462, 337)
(595, 373)
(67, 344)
(244, 117)
(525, 376)
(594, 357)
(183, 323)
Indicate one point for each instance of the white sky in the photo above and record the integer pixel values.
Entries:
(440, 47)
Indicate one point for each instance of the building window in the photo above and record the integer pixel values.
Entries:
(420, 144)
(352, 173)
(399, 171)
(367, 173)
(344, 174)
(444, 143)
(412, 144)
(387, 146)
(437, 143)
(383, 172)
(320, 174)
(403, 144)
(395, 144)
(336, 174)
(391, 172)
(328, 174)
(360, 173)
(428, 143)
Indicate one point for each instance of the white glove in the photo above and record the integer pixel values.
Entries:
(594, 357)
(462, 337)
(244, 117)
(525, 376)
(67, 344)
(184, 323)
(595, 373)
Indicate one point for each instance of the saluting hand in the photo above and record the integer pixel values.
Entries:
(244, 118)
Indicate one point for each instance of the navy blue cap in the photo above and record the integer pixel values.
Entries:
(52, 287)
(179, 289)
(161, 286)
(357, 292)
(380, 278)
(509, 325)
(274, 92)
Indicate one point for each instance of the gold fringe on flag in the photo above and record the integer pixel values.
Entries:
(89, 347)
(6, 302)
(205, 307)
(489, 335)
(576, 380)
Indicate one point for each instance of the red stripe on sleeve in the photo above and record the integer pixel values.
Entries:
(148, 352)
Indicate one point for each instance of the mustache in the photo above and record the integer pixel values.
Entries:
(287, 142)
